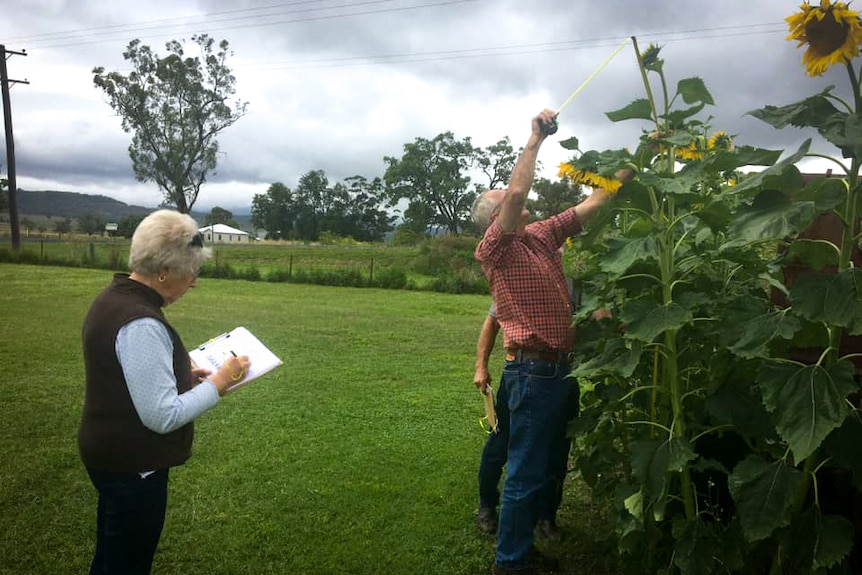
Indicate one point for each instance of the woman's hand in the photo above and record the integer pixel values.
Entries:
(230, 373)
(199, 374)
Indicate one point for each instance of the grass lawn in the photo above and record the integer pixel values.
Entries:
(358, 456)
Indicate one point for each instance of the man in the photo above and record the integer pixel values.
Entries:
(525, 272)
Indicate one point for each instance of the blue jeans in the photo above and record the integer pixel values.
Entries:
(129, 521)
(538, 392)
(495, 453)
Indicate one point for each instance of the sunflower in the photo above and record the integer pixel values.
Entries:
(832, 32)
(690, 152)
(589, 178)
(720, 141)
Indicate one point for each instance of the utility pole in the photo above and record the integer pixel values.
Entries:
(10, 144)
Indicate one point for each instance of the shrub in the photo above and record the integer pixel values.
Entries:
(390, 278)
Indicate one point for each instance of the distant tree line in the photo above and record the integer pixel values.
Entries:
(431, 178)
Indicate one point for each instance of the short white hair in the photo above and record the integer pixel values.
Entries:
(483, 208)
(167, 239)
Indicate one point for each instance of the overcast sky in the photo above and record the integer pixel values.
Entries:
(336, 85)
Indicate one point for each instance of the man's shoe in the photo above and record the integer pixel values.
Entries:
(486, 520)
(548, 529)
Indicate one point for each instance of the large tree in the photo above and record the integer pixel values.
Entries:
(274, 211)
(219, 215)
(313, 200)
(365, 218)
(175, 107)
(552, 197)
(91, 223)
(497, 162)
(433, 173)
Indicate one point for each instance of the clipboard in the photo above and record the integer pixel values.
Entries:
(239, 341)
(490, 409)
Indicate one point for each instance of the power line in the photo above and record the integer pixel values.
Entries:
(95, 35)
(511, 50)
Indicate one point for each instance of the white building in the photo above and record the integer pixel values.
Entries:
(222, 234)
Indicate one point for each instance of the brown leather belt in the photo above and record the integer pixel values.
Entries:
(520, 354)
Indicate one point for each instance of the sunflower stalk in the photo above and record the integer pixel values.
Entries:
(666, 253)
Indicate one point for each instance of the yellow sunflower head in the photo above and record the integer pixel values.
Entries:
(690, 152)
(594, 180)
(565, 171)
(720, 141)
(832, 32)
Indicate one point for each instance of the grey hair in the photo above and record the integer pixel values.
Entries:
(163, 240)
(483, 209)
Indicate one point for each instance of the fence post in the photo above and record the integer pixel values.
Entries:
(371, 273)
(92, 252)
(290, 267)
(42, 250)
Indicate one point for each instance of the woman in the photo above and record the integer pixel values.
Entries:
(142, 393)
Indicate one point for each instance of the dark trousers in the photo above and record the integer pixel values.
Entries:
(495, 453)
(129, 520)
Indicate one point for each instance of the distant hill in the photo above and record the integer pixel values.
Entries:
(73, 205)
(53, 204)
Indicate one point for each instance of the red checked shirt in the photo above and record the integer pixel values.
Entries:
(526, 278)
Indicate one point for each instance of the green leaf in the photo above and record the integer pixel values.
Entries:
(646, 320)
(845, 447)
(764, 494)
(826, 193)
(694, 90)
(623, 253)
(635, 195)
(810, 112)
(678, 117)
(735, 404)
(738, 157)
(782, 175)
(834, 540)
(716, 214)
(751, 338)
(845, 131)
(772, 216)
(816, 254)
(751, 156)
(617, 357)
(679, 185)
(634, 504)
(570, 143)
(818, 541)
(637, 110)
(833, 299)
(696, 543)
(806, 401)
(651, 461)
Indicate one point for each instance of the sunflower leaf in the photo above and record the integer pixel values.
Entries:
(570, 144)
(637, 110)
(764, 494)
(832, 299)
(806, 401)
(772, 215)
(694, 90)
(782, 176)
(810, 112)
(646, 320)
